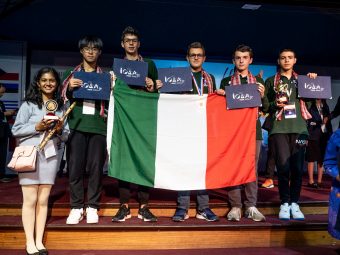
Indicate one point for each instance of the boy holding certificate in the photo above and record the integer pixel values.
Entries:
(202, 83)
(242, 58)
(130, 42)
(88, 137)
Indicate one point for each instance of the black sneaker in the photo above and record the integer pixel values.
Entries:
(145, 214)
(122, 214)
(207, 215)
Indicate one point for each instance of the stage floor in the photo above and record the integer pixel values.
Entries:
(10, 193)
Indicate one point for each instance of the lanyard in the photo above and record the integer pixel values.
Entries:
(199, 90)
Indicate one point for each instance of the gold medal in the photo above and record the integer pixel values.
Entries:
(51, 106)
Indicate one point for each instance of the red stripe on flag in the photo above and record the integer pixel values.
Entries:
(231, 144)
(9, 76)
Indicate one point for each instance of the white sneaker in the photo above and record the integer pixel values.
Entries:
(296, 212)
(91, 215)
(75, 216)
(284, 213)
(254, 214)
(234, 214)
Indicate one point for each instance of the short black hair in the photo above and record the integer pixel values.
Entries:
(90, 40)
(244, 48)
(285, 50)
(195, 45)
(130, 30)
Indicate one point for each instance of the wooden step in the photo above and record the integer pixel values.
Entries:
(168, 209)
(162, 202)
(310, 250)
(165, 234)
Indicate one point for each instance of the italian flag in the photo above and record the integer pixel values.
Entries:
(179, 142)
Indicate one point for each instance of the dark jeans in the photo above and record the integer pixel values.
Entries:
(124, 188)
(289, 158)
(87, 153)
(270, 165)
(3, 155)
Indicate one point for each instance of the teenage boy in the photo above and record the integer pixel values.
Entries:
(289, 133)
(242, 58)
(130, 42)
(87, 141)
(202, 83)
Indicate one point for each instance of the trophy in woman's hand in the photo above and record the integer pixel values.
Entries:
(51, 107)
(55, 128)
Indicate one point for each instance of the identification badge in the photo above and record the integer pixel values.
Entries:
(290, 110)
(50, 149)
(89, 107)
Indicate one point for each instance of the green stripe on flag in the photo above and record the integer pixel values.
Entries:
(135, 132)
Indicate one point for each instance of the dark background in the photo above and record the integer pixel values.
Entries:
(312, 28)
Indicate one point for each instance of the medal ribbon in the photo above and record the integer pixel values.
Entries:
(200, 91)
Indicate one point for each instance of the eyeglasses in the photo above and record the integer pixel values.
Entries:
(131, 40)
(93, 49)
(196, 56)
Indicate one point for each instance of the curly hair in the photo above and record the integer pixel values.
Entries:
(34, 95)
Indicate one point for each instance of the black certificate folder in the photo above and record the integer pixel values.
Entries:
(95, 86)
(132, 72)
(177, 79)
(315, 88)
(242, 96)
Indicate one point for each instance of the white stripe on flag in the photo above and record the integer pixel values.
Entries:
(110, 118)
(181, 147)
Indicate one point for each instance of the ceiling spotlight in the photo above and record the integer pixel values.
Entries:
(252, 7)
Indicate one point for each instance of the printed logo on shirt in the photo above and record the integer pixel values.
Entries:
(301, 142)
